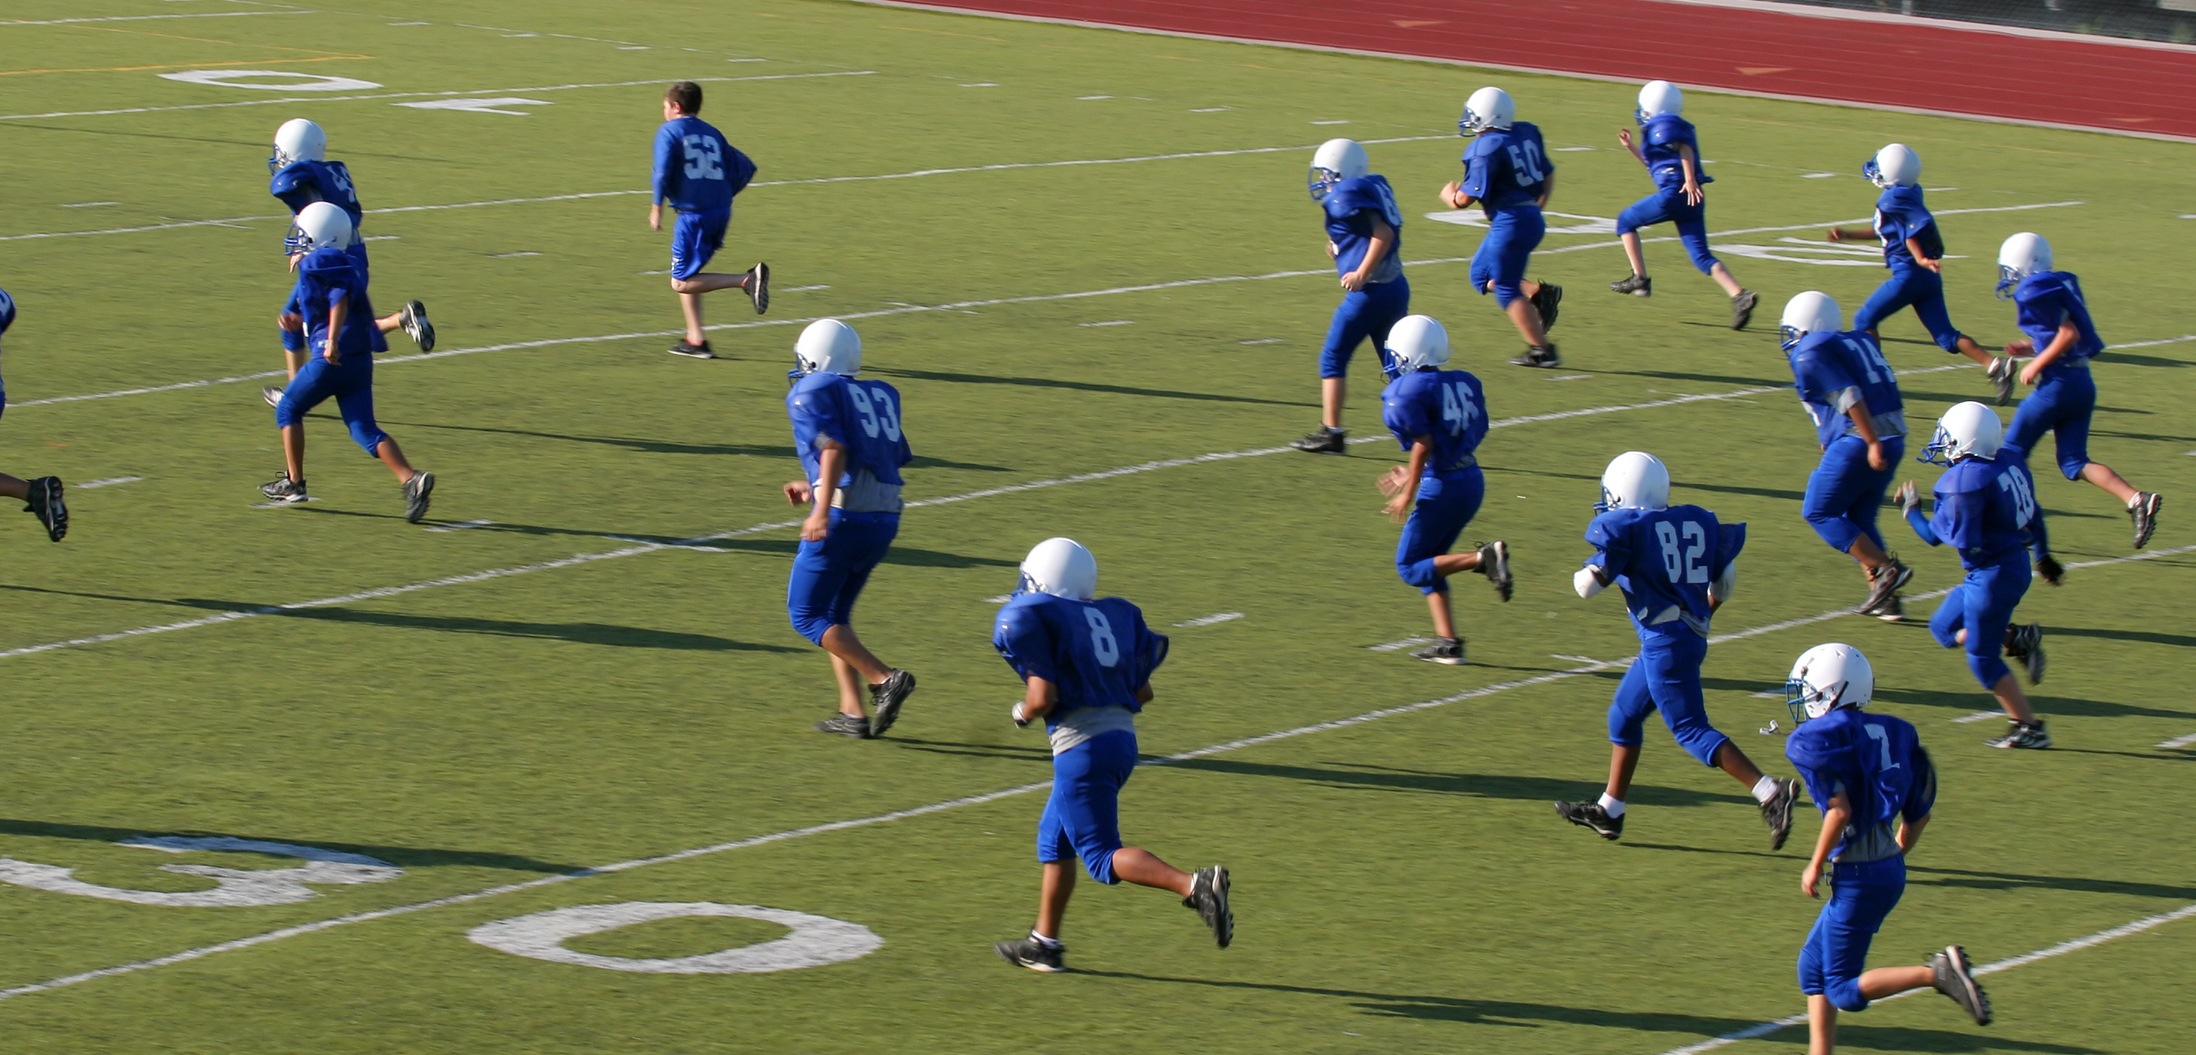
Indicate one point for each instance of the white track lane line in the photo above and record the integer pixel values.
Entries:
(317, 926)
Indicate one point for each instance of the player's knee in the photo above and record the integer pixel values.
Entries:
(1704, 260)
(1949, 340)
(1702, 741)
(1989, 670)
(810, 623)
(288, 413)
(1506, 293)
(292, 340)
(2071, 468)
(368, 436)
(1333, 364)
(1099, 863)
(1845, 994)
(1838, 531)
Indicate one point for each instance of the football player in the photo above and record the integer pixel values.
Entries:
(44, 497)
(1875, 786)
(1438, 416)
(301, 175)
(698, 173)
(2051, 312)
(847, 432)
(1508, 173)
(1986, 508)
(1086, 664)
(331, 301)
(1365, 239)
(1671, 151)
(1913, 250)
(1674, 564)
(1860, 424)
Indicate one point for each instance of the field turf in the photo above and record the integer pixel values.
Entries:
(1087, 261)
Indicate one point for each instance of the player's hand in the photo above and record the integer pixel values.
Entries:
(1933, 265)
(334, 357)
(2020, 348)
(655, 217)
(1909, 498)
(1394, 480)
(1448, 193)
(1693, 194)
(1837, 234)
(1810, 877)
(1333, 250)
(2050, 569)
(1624, 138)
(1876, 460)
(816, 526)
(1021, 721)
(1353, 282)
(1399, 507)
(799, 493)
(2030, 373)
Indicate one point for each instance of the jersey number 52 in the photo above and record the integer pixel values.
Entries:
(704, 159)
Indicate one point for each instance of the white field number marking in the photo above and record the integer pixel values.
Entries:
(285, 80)
(233, 887)
(1580, 224)
(492, 105)
(816, 941)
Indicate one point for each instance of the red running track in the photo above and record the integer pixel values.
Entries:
(1778, 50)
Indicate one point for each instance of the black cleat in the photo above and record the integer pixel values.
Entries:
(2001, 377)
(758, 287)
(1891, 611)
(1636, 285)
(885, 699)
(1324, 441)
(1884, 582)
(272, 395)
(1545, 303)
(416, 492)
(1742, 308)
(1591, 815)
(1447, 651)
(285, 490)
(1033, 954)
(2144, 511)
(416, 326)
(2025, 643)
(1541, 355)
(693, 351)
(1777, 812)
(853, 725)
(49, 502)
(1955, 977)
(1494, 563)
(1209, 896)
(2022, 736)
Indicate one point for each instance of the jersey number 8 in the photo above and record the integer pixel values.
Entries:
(1102, 642)
(1688, 566)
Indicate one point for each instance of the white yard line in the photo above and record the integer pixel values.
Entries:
(143, 18)
(1209, 620)
(109, 482)
(1482, 692)
(2178, 741)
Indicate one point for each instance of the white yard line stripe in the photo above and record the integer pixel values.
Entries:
(1209, 620)
(293, 99)
(2178, 741)
(110, 482)
(1005, 793)
(1978, 716)
(143, 18)
(1398, 646)
(464, 525)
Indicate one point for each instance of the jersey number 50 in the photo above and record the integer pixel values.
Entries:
(1526, 161)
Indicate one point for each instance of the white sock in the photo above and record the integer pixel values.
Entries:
(1765, 789)
(1049, 943)
(1613, 807)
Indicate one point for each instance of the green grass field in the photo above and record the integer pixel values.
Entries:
(599, 671)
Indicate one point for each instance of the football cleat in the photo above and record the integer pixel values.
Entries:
(1955, 977)
(1033, 954)
(414, 320)
(2144, 511)
(285, 490)
(1892, 610)
(1209, 898)
(272, 395)
(693, 351)
(1545, 302)
(853, 725)
(48, 502)
(2025, 643)
(1447, 651)
(1540, 355)
(1494, 563)
(1591, 815)
(2022, 736)
(1777, 812)
(416, 493)
(2001, 375)
(758, 287)
(1884, 581)
(1636, 285)
(1323, 441)
(1742, 308)
(885, 699)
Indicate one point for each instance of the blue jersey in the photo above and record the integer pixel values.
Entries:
(1900, 215)
(697, 170)
(1659, 140)
(1507, 168)
(1878, 762)
(1987, 510)
(863, 416)
(325, 276)
(1835, 371)
(1447, 406)
(302, 183)
(1352, 206)
(2043, 302)
(1664, 559)
(1096, 653)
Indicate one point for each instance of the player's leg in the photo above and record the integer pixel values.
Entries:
(412, 319)
(1351, 324)
(1445, 505)
(822, 604)
(45, 498)
(695, 238)
(811, 589)
(2070, 430)
(1506, 280)
(1673, 676)
(1842, 498)
(1041, 950)
(1692, 228)
(1646, 212)
(1990, 597)
(354, 396)
(314, 384)
(853, 689)
(1822, 1015)
(1628, 710)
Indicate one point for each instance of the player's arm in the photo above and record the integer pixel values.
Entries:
(1453, 195)
(2039, 543)
(1383, 240)
(1624, 139)
(1143, 693)
(1852, 234)
(1591, 579)
(1405, 484)
(1864, 423)
(1914, 246)
(659, 183)
(1719, 588)
(1909, 498)
(339, 309)
(1690, 158)
(1547, 189)
(1038, 698)
(2060, 342)
(1834, 820)
(830, 465)
(1914, 816)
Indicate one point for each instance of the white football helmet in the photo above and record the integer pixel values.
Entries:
(1810, 312)
(1894, 166)
(321, 225)
(2022, 255)
(1062, 568)
(1634, 480)
(1418, 341)
(297, 140)
(1968, 430)
(1826, 678)
(7, 311)
(1336, 160)
(1489, 107)
(1657, 99)
(827, 346)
